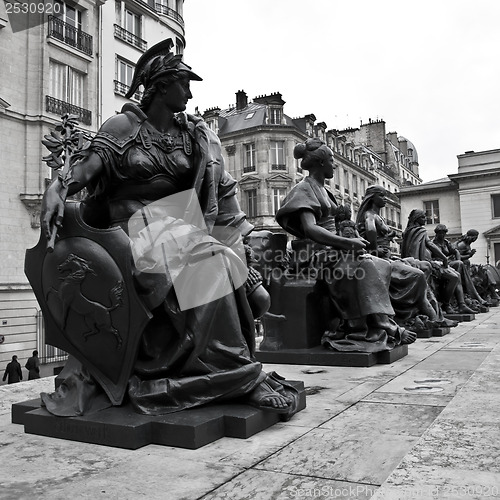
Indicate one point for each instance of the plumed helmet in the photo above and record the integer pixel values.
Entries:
(157, 62)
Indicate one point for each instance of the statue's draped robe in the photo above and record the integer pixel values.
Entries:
(414, 243)
(408, 279)
(461, 266)
(358, 286)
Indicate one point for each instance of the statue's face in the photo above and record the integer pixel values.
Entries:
(348, 232)
(328, 164)
(379, 200)
(421, 220)
(177, 95)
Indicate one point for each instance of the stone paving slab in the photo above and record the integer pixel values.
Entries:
(458, 455)
(258, 484)
(342, 455)
(443, 440)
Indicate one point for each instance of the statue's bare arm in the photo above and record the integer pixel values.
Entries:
(323, 236)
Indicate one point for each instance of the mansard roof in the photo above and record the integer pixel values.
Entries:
(252, 115)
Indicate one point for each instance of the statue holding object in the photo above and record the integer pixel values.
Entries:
(158, 194)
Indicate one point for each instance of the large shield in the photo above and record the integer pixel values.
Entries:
(90, 306)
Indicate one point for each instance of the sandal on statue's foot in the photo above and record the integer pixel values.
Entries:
(265, 398)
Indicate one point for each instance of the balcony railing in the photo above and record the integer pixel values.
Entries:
(129, 37)
(278, 167)
(167, 11)
(48, 353)
(70, 35)
(53, 105)
(248, 169)
(122, 89)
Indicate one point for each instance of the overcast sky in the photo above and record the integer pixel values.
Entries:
(429, 68)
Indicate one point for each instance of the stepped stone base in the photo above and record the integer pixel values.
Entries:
(460, 317)
(321, 356)
(121, 427)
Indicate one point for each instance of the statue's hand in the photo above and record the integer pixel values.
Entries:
(52, 212)
(358, 244)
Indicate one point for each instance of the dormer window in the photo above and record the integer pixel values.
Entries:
(275, 115)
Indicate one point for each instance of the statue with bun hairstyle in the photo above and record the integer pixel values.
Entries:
(357, 282)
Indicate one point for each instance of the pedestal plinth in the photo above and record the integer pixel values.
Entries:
(121, 427)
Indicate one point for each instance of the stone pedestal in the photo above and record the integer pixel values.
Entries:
(303, 321)
(295, 336)
(121, 427)
(424, 334)
(324, 357)
(441, 331)
(460, 317)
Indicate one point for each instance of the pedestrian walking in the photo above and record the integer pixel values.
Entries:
(33, 366)
(13, 371)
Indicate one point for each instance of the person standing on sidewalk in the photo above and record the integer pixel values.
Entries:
(33, 366)
(13, 371)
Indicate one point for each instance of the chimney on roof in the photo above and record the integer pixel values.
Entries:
(241, 100)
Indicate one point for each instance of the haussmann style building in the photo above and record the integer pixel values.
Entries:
(258, 139)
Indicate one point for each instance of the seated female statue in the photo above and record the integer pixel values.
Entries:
(409, 291)
(358, 283)
(194, 355)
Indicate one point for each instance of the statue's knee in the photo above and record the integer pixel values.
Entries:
(260, 301)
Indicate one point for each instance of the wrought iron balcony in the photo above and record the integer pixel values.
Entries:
(129, 37)
(167, 11)
(70, 35)
(278, 167)
(122, 89)
(53, 105)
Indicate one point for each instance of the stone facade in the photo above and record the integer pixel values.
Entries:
(47, 70)
(132, 26)
(368, 155)
(258, 139)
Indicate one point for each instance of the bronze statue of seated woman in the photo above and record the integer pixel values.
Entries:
(357, 282)
(157, 173)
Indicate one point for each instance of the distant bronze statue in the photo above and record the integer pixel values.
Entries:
(157, 173)
(455, 261)
(463, 245)
(417, 244)
(486, 279)
(357, 283)
(411, 296)
(465, 252)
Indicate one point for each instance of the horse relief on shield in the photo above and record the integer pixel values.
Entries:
(73, 272)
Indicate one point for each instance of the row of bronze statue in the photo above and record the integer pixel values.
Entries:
(197, 344)
(376, 300)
